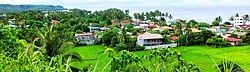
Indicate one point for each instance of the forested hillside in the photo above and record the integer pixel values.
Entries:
(17, 8)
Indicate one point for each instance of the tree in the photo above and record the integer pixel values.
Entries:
(246, 18)
(9, 43)
(193, 23)
(246, 38)
(109, 37)
(216, 23)
(231, 18)
(165, 60)
(170, 17)
(219, 19)
(125, 61)
(227, 23)
(199, 38)
(237, 15)
(178, 26)
(217, 42)
(122, 46)
(203, 24)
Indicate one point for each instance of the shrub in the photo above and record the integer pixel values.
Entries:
(217, 42)
(138, 48)
(122, 46)
(80, 44)
(225, 66)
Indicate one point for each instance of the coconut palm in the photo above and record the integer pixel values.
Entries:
(231, 18)
(170, 17)
(219, 19)
(246, 18)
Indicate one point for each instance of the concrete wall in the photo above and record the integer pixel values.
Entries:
(161, 46)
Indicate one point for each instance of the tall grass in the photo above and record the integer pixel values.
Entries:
(31, 59)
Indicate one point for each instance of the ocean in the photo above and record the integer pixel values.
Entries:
(198, 13)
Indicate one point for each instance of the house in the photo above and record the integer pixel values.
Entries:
(144, 26)
(148, 39)
(240, 20)
(174, 38)
(125, 22)
(244, 26)
(104, 28)
(195, 30)
(152, 25)
(233, 41)
(86, 38)
(151, 41)
(54, 22)
(93, 29)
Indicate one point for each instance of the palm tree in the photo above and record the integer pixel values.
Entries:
(219, 19)
(246, 18)
(170, 17)
(231, 18)
(187, 30)
(237, 15)
(178, 26)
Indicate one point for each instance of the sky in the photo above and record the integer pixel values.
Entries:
(129, 3)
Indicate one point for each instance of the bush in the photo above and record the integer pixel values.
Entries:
(229, 66)
(217, 42)
(216, 23)
(138, 48)
(122, 46)
(80, 44)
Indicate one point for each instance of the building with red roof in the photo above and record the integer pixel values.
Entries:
(233, 41)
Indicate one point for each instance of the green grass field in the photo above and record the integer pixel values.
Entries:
(199, 55)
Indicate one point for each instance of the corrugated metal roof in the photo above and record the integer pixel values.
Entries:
(150, 36)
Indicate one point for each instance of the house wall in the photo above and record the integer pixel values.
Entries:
(140, 41)
(86, 39)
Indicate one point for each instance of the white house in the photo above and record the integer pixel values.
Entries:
(87, 38)
(150, 41)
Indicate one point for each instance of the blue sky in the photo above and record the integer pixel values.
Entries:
(130, 3)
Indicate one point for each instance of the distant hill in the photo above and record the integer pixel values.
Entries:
(17, 8)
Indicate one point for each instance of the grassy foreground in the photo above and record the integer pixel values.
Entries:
(202, 56)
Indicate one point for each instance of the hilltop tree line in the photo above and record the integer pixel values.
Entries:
(18, 8)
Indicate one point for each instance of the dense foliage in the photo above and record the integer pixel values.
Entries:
(217, 41)
(161, 60)
(226, 66)
(198, 38)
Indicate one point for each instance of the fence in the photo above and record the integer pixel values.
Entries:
(161, 46)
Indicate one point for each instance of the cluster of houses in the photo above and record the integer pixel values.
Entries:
(150, 41)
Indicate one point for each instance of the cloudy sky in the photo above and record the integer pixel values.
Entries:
(130, 3)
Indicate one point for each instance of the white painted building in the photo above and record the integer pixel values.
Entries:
(148, 39)
(86, 38)
(238, 21)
